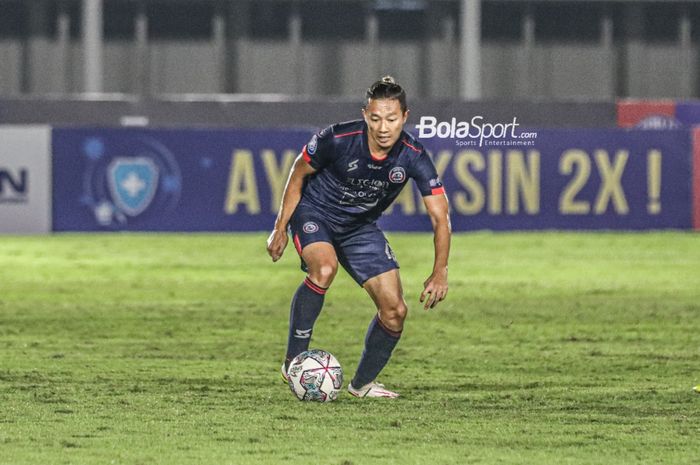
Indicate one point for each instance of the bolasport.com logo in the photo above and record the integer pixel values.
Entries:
(476, 132)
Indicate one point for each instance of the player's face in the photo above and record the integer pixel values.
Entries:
(384, 123)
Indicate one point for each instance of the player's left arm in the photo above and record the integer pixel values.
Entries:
(435, 287)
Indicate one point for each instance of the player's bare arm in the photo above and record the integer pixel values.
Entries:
(435, 287)
(278, 239)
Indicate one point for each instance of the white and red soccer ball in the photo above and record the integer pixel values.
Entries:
(315, 375)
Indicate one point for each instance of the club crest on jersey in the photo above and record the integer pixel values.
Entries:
(397, 175)
(312, 145)
(310, 227)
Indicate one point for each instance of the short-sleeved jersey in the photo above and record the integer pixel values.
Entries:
(351, 187)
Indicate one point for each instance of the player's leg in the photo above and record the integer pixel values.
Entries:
(307, 302)
(312, 240)
(367, 257)
(386, 292)
(383, 333)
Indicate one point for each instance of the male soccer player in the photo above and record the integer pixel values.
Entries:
(339, 185)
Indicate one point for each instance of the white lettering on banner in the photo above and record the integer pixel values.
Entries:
(476, 128)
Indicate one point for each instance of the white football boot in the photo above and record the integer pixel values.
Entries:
(372, 389)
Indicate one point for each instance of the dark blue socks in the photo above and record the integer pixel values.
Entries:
(306, 306)
(379, 343)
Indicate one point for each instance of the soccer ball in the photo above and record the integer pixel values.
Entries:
(315, 375)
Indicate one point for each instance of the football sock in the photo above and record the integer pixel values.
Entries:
(306, 306)
(379, 343)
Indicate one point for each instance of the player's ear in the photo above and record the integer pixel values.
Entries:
(405, 115)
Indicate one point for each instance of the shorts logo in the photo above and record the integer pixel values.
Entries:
(389, 253)
(310, 227)
(397, 175)
(313, 144)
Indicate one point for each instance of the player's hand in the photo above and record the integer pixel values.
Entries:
(276, 244)
(434, 289)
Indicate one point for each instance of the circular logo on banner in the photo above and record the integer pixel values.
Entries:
(397, 175)
(132, 180)
(313, 143)
(310, 227)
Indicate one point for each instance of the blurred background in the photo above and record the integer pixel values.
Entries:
(578, 75)
(473, 49)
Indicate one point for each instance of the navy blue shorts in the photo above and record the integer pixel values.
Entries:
(364, 252)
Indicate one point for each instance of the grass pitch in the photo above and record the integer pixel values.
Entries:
(165, 349)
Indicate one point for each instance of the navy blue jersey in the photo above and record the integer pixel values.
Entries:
(351, 187)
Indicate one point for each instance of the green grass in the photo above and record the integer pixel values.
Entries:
(165, 349)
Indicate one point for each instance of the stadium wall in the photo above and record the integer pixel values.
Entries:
(280, 111)
(599, 66)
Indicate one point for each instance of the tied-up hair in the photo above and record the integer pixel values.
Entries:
(387, 88)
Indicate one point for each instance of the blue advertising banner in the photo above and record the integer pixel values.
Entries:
(232, 180)
(566, 179)
(688, 112)
(170, 180)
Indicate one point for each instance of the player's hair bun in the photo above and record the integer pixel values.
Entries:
(387, 88)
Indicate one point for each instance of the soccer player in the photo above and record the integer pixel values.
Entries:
(339, 185)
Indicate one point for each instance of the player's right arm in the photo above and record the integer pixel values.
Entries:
(278, 239)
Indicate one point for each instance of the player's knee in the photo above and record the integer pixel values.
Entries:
(323, 275)
(401, 311)
(327, 272)
(394, 314)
